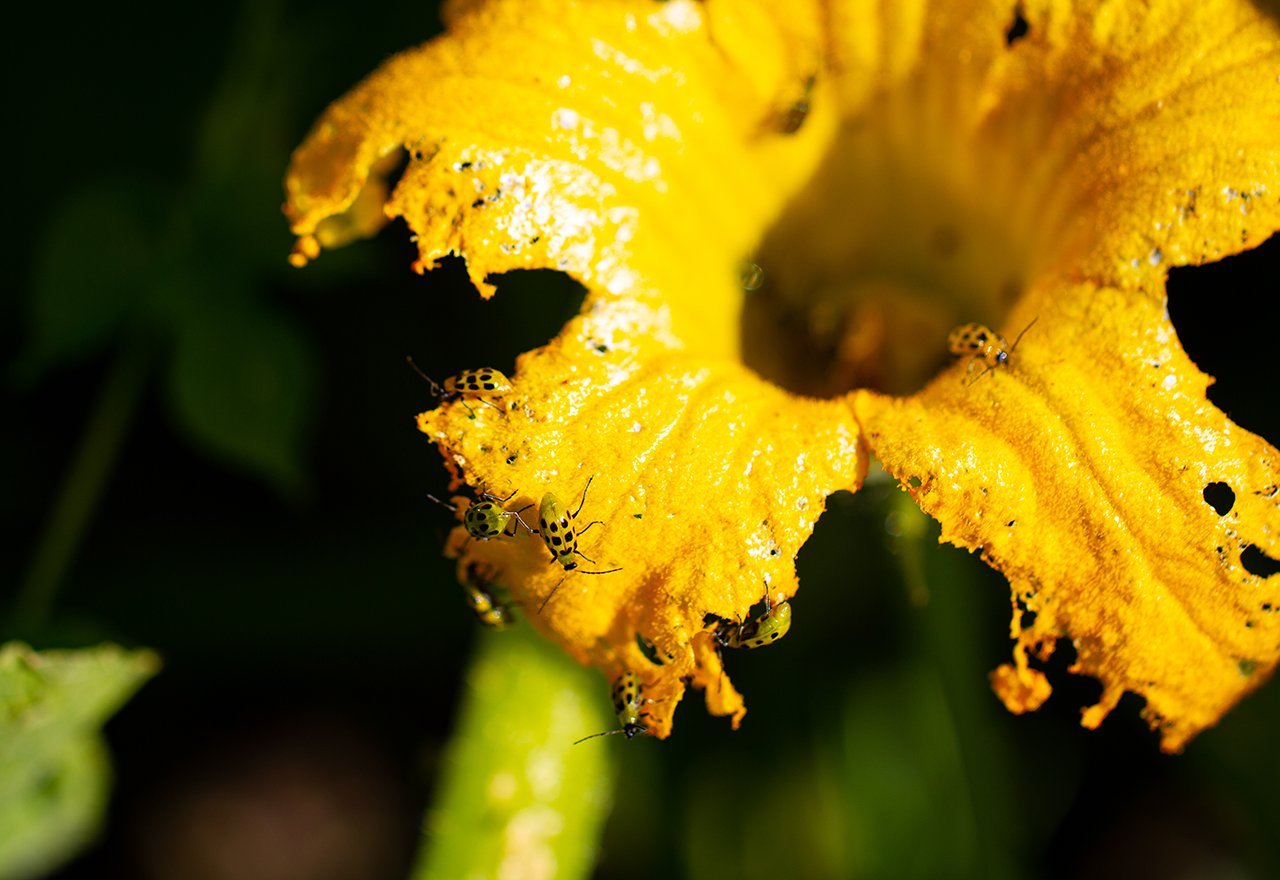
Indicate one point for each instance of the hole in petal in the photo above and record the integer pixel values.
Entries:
(1220, 497)
(392, 168)
(541, 302)
(530, 308)
(1209, 306)
(1257, 563)
(1018, 29)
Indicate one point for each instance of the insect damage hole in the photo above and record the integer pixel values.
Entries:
(541, 301)
(1258, 563)
(1018, 28)
(1220, 497)
(1205, 303)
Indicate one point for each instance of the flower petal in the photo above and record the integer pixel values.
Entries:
(1107, 142)
(595, 138)
(1080, 470)
(1110, 141)
(1159, 124)
(705, 482)
(602, 139)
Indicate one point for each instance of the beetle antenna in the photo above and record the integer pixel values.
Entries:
(606, 733)
(549, 595)
(584, 496)
(435, 389)
(980, 375)
(1024, 330)
(442, 504)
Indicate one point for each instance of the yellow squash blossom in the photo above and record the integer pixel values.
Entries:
(893, 170)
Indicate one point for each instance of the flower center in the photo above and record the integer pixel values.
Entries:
(908, 229)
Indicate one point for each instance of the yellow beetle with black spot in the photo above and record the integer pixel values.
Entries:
(764, 629)
(628, 698)
(478, 385)
(486, 518)
(981, 343)
(560, 532)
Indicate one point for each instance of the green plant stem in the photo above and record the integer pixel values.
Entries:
(82, 489)
(517, 797)
(949, 633)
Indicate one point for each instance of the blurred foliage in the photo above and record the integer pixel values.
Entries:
(247, 497)
(517, 798)
(54, 770)
(139, 262)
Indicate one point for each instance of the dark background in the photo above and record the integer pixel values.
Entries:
(290, 575)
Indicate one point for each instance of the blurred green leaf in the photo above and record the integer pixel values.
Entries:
(90, 274)
(910, 808)
(242, 385)
(779, 815)
(958, 619)
(54, 772)
(518, 798)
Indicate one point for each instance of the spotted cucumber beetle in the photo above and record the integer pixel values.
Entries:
(763, 629)
(981, 343)
(486, 518)
(482, 597)
(627, 700)
(560, 532)
(468, 385)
